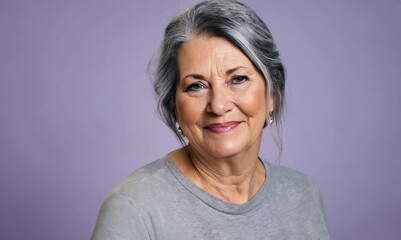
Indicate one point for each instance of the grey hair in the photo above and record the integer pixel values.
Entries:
(238, 24)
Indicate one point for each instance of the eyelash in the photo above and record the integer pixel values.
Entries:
(198, 86)
(236, 80)
(241, 79)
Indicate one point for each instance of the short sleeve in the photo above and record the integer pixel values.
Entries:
(118, 219)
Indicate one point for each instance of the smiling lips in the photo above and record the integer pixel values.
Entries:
(222, 127)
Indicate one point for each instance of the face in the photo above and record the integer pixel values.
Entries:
(221, 102)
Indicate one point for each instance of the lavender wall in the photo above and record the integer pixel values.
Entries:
(77, 113)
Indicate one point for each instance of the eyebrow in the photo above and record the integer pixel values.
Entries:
(195, 75)
(201, 77)
(230, 71)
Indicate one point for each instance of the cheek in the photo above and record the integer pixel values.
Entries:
(254, 103)
(188, 110)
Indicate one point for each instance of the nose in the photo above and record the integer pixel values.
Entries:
(219, 102)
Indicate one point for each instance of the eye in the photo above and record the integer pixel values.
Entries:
(195, 87)
(239, 79)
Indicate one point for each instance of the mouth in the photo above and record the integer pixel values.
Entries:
(222, 127)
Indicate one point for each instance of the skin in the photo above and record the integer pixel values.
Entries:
(218, 84)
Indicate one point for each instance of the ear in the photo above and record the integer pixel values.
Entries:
(176, 117)
(271, 102)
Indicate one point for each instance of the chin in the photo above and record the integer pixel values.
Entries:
(225, 150)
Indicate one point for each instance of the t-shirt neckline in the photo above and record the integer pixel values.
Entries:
(216, 203)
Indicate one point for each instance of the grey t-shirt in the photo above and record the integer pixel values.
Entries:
(159, 202)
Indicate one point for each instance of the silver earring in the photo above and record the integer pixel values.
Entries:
(270, 118)
(181, 132)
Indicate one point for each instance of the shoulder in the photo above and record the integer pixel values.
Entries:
(287, 183)
(295, 199)
(297, 191)
(142, 181)
(290, 177)
(123, 214)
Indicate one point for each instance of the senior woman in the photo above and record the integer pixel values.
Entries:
(219, 82)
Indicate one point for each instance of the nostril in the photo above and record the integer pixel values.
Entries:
(219, 103)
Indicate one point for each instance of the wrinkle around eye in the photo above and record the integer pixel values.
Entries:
(241, 85)
(239, 79)
(196, 87)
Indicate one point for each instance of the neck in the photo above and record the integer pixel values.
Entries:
(234, 179)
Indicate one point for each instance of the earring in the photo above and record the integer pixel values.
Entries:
(181, 132)
(270, 118)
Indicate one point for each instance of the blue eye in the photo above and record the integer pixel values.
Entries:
(239, 79)
(195, 87)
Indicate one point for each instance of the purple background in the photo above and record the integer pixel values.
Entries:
(77, 112)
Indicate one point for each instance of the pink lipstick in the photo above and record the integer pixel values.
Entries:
(222, 127)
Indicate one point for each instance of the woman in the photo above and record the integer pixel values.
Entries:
(219, 83)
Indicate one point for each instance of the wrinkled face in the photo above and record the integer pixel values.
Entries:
(221, 102)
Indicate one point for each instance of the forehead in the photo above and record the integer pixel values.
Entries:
(208, 51)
